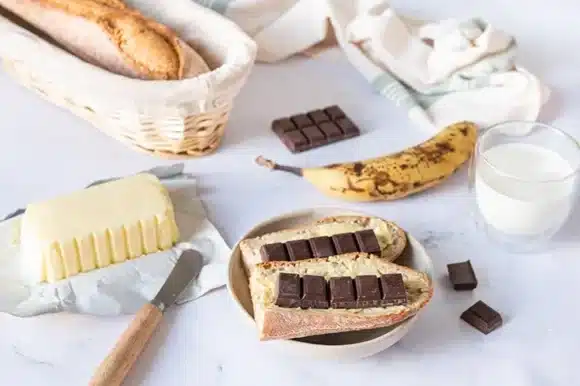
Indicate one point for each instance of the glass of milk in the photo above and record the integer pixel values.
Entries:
(524, 179)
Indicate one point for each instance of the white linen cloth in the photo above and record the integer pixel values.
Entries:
(439, 71)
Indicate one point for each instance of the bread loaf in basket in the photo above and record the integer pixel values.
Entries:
(166, 116)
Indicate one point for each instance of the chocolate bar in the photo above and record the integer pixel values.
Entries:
(345, 243)
(288, 292)
(368, 291)
(394, 292)
(342, 293)
(314, 292)
(364, 291)
(298, 250)
(322, 246)
(367, 241)
(482, 317)
(274, 252)
(462, 276)
(315, 128)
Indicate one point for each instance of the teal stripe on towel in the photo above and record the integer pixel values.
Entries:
(220, 6)
(387, 85)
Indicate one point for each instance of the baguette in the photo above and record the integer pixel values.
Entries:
(392, 238)
(109, 34)
(275, 322)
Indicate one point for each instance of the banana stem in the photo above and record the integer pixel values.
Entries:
(274, 166)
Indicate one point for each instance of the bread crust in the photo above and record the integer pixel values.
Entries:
(250, 248)
(141, 47)
(289, 323)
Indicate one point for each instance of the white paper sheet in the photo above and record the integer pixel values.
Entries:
(121, 288)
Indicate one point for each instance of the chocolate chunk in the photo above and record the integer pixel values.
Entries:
(330, 130)
(393, 290)
(318, 116)
(368, 291)
(482, 317)
(295, 140)
(313, 134)
(342, 293)
(301, 120)
(348, 128)
(298, 250)
(334, 112)
(322, 246)
(273, 252)
(367, 242)
(314, 292)
(283, 125)
(462, 276)
(288, 290)
(344, 243)
(315, 128)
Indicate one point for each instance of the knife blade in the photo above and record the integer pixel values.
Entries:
(161, 172)
(187, 268)
(115, 367)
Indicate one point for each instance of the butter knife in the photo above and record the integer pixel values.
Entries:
(115, 367)
(161, 172)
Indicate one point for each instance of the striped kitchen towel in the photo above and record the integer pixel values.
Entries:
(439, 71)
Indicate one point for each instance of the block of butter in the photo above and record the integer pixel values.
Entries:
(95, 227)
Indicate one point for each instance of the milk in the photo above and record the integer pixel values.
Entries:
(526, 206)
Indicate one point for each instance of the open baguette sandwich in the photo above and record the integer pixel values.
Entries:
(291, 321)
(391, 238)
(111, 35)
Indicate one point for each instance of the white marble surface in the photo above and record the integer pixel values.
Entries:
(46, 151)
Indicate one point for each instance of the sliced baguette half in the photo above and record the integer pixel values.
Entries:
(392, 238)
(275, 322)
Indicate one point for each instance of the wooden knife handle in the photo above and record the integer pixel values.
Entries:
(113, 370)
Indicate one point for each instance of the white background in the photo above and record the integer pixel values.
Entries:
(46, 151)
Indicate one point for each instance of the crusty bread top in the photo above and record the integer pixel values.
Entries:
(278, 322)
(392, 238)
(150, 49)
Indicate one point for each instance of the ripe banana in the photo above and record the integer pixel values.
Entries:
(396, 175)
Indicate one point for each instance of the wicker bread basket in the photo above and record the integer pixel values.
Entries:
(172, 119)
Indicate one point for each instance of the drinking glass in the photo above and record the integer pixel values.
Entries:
(523, 179)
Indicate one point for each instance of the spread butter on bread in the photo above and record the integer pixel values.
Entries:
(109, 34)
(276, 322)
(392, 239)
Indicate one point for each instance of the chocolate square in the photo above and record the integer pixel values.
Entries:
(334, 112)
(368, 291)
(344, 243)
(295, 140)
(367, 242)
(322, 246)
(298, 250)
(393, 290)
(314, 135)
(301, 120)
(282, 125)
(330, 130)
(333, 126)
(314, 292)
(462, 276)
(482, 317)
(342, 293)
(318, 116)
(347, 127)
(273, 252)
(288, 290)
